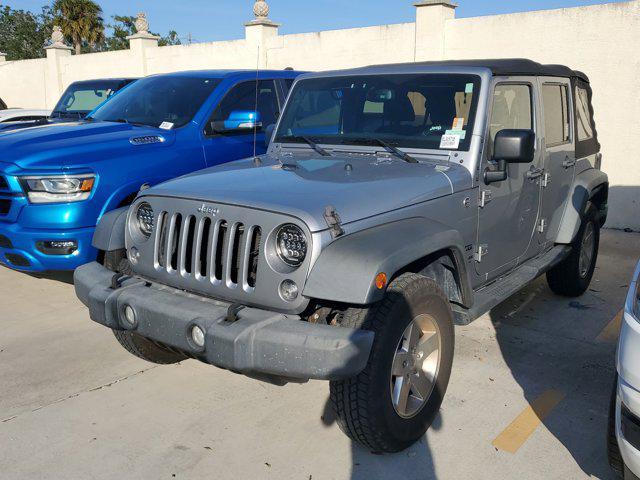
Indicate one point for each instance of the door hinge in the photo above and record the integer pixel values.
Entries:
(333, 221)
(542, 226)
(546, 180)
(485, 197)
(481, 251)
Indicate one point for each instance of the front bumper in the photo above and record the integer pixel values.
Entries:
(260, 344)
(18, 248)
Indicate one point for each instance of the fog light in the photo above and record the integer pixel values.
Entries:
(289, 290)
(57, 247)
(134, 255)
(130, 315)
(197, 335)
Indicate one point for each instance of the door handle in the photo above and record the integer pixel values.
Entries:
(569, 162)
(534, 173)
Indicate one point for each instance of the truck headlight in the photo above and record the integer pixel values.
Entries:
(291, 244)
(144, 218)
(58, 188)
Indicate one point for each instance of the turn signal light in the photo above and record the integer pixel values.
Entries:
(381, 280)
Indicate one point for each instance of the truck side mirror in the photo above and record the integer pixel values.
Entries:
(239, 121)
(511, 146)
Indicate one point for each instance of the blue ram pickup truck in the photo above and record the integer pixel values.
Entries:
(57, 181)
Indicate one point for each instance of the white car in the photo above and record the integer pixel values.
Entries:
(22, 115)
(624, 422)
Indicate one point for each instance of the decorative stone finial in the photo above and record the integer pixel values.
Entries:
(57, 37)
(3, 57)
(261, 9)
(142, 24)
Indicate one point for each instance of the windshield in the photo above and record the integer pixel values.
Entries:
(429, 111)
(80, 98)
(170, 102)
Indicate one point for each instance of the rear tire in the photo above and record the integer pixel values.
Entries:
(572, 276)
(146, 349)
(394, 400)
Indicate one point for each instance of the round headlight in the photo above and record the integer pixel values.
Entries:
(291, 244)
(144, 215)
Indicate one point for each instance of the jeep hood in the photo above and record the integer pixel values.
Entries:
(68, 145)
(358, 187)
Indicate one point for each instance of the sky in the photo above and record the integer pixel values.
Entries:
(209, 20)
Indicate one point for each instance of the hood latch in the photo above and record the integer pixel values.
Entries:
(333, 221)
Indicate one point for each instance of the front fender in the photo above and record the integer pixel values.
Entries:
(345, 271)
(584, 186)
(109, 234)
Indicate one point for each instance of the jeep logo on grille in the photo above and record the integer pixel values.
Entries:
(213, 211)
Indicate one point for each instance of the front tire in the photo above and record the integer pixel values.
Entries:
(394, 400)
(572, 276)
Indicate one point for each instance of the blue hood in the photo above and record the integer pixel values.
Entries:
(69, 145)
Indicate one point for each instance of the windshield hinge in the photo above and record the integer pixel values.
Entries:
(485, 197)
(333, 221)
(481, 251)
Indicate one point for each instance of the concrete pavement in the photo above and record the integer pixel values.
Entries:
(74, 405)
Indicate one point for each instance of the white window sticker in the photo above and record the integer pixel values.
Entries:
(462, 133)
(166, 126)
(450, 142)
(469, 88)
(458, 123)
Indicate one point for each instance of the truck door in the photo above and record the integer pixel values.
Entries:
(227, 137)
(508, 214)
(559, 156)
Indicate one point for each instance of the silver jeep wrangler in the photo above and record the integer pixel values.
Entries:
(394, 202)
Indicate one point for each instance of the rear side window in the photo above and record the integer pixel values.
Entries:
(584, 125)
(511, 109)
(557, 122)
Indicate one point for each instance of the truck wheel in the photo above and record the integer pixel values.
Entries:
(572, 276)
(146, 349)
(116, 261)
(392, 403)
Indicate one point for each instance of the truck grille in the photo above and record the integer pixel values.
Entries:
(4, 185)
(222, 251)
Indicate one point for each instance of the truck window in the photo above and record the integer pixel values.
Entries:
(555, 99)
(511, 109)
(243, 97)
(584, 125)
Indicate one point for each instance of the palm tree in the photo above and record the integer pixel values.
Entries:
(81, 21)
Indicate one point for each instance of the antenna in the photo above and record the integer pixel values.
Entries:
(255, 122)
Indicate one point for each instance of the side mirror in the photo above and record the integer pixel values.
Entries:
(511, 146)
(268, 133)
(238, 121)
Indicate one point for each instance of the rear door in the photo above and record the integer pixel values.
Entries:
(225, 146)
(559, 155)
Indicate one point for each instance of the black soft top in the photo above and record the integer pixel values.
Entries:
(511, 66)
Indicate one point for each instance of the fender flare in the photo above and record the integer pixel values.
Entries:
(584, 186)
(346, 269)
(109, 233)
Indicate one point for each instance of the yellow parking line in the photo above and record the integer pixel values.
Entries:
(516, 434)
(611, 332)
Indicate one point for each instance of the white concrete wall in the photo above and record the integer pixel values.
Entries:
(601, 40)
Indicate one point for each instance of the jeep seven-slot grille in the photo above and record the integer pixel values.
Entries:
(222, 251)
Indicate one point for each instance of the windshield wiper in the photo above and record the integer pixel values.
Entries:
(312, 144)
(389, 148)
(124, 120)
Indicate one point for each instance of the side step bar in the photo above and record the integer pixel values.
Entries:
(497, 292)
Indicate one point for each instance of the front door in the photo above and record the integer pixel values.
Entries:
(560, 157)
(508, 215)
(235, 144)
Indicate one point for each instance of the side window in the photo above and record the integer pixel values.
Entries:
(512, 109)
(555, 99)
(584, 125)
(245, 97)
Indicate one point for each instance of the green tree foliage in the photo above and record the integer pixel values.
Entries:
(23, 34)
(81, 22)
(124, 26)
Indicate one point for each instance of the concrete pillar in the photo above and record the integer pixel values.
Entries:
(259, 31)
(56, 51)
(141, 41)
(431, 17)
